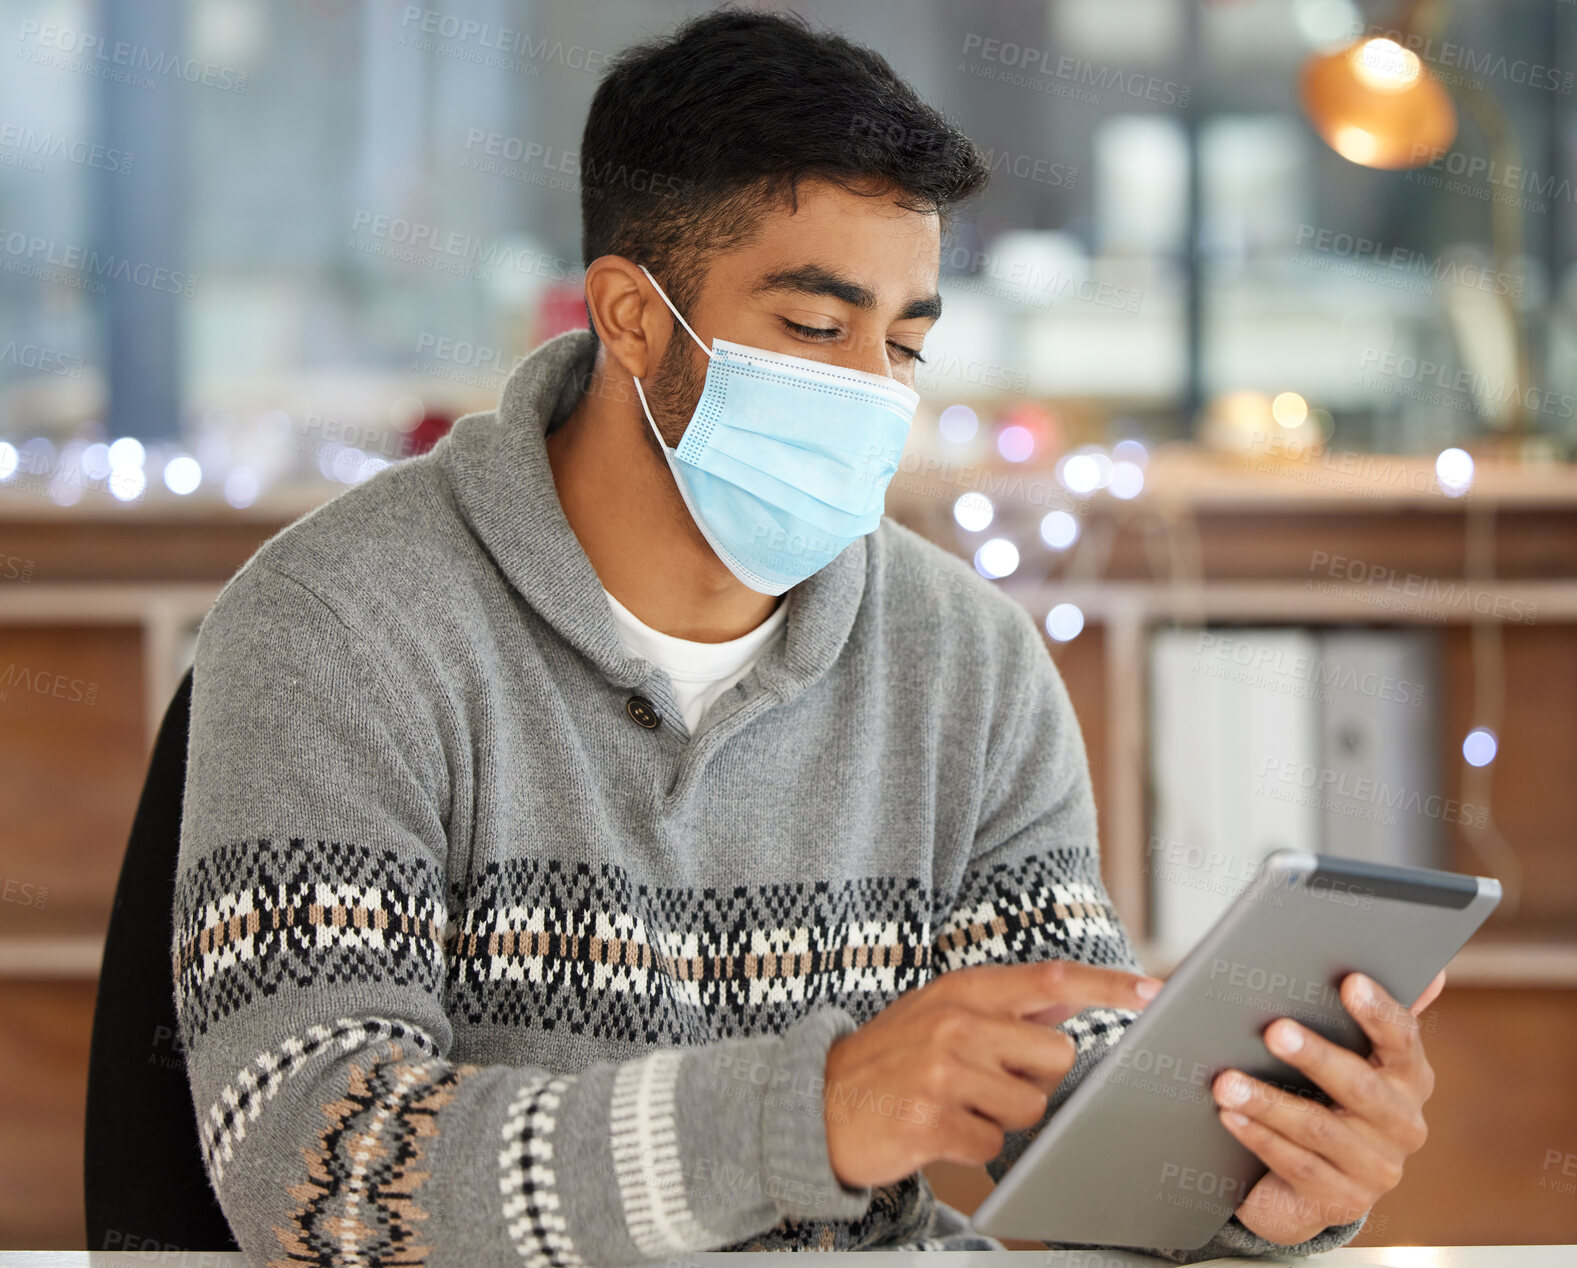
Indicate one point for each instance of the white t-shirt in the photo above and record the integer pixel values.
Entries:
(700, 672)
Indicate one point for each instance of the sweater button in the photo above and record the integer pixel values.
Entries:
(640, 708)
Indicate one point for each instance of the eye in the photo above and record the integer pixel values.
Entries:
(819, 333)
(810, 332)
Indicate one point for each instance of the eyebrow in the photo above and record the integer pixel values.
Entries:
(813, 279)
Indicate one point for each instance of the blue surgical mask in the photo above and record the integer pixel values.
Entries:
(785, 461)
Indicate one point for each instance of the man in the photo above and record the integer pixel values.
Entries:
(606, 836)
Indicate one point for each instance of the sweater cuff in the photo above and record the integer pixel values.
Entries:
(794, 1129)
(1236, 1238)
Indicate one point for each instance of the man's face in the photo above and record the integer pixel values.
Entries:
(845, 279)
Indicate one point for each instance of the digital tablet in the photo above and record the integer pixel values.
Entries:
(1136, 1155)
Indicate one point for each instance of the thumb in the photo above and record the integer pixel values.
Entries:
(1431, 991)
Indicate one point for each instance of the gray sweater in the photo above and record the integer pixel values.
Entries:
(481, 956)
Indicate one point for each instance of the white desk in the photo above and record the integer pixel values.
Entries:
(1347, 1257)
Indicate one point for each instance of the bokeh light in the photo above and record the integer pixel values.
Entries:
(1059, 529)
(1127, 480)
(182, 474)
(1015, 443)
(996, 558)
(1479, 746)
(1289, 409)
(1079, 474)
(1454, 471)
(974, 512)
(1064, 622)
(958, 423)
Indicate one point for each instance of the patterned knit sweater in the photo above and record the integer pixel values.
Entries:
(481, 957)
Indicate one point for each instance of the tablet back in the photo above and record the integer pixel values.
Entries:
(1136, 1155)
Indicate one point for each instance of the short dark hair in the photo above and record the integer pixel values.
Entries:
(691, 137)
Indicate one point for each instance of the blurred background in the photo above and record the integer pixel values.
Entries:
(1257, 385)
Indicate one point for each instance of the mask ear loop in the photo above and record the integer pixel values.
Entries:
(674, 310)
(645, 409)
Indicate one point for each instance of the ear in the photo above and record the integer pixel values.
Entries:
(631, 320)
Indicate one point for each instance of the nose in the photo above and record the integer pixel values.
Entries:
(868, 352)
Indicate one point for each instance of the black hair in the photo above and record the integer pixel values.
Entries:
(690, 138)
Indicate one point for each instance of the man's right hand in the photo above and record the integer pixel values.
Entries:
(945, 1071)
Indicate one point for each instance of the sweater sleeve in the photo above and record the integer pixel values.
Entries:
(1032, 890)
(312, 910)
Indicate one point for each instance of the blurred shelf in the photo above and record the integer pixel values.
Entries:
(1341, 480)
(104, 603)
(1312, 601)
(70, 956)
(279, 504)
(163, 612)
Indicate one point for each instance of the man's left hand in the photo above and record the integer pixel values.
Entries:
(1330, 1163)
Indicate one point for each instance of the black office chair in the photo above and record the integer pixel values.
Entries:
(143, 1170)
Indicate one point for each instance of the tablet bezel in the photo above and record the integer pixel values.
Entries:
(1043, 1197)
